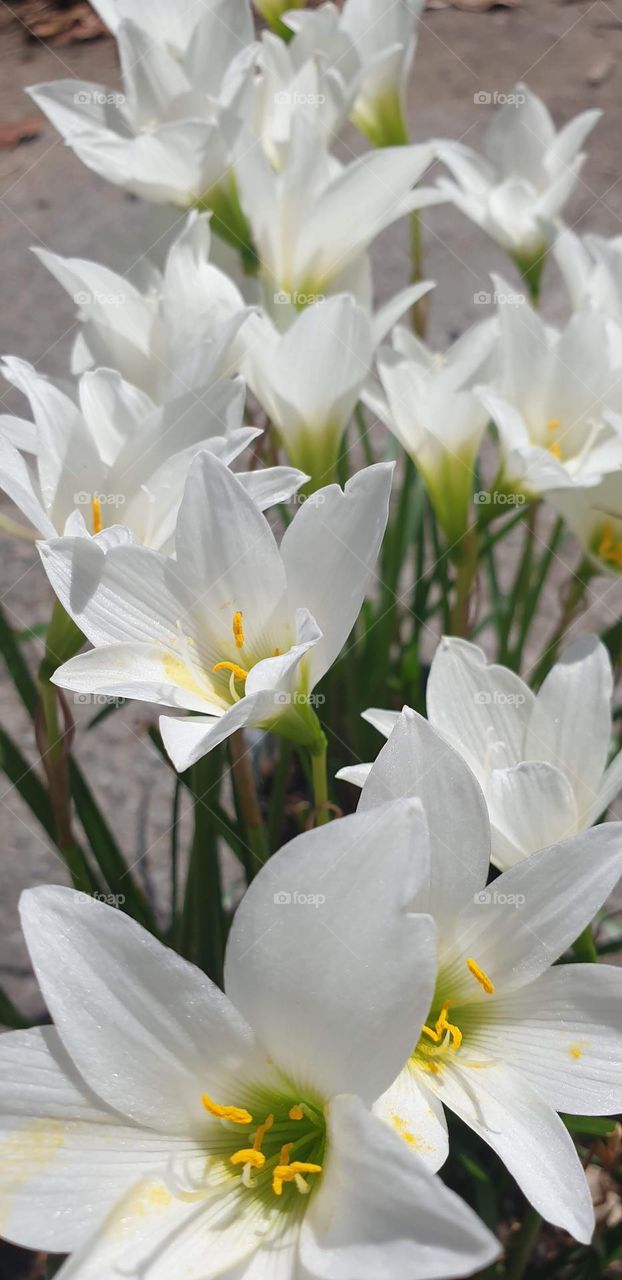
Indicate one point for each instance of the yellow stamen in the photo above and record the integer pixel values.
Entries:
(480, 976)
(442, 1027)
(262, 1131)
(610, 546)
(284, 1152)
(277, 653)
(555, 449)
(237, 1115)
(238, 672)
(291, 1173)
(296, 1112)
(96, 508)
(249, 1156)
(238, 629)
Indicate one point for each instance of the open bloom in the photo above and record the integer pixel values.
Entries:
(540, 759)
(527, 170)
(161, 1128)
(187, 80)
(508, 1040)
(163, 336)
(595, 517)
(299, 76)
(236, 628)
(426, 400)
(111, 457)
(551, 401)
(313, 246)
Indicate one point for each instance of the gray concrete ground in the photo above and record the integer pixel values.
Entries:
(570, 53)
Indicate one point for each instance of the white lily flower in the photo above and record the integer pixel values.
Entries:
(426, 400)
(508, 1040)
(161, 337)
(307, 241)
(595, 517)
(113, 458)
(551, 399)
(384, 37)
(309, 379)
(520, 183)
(169, 137)
(163, 1128)
(236, 628)
(540, 759)
(316, 74)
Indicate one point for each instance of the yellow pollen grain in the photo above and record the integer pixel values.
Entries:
(296, 1112)
(555, 449)
(248, 1155)
(96, 508)
(399, 1124)
(575, 1051)
(237, 1115)
(480, 976)
(238, 672)
(553, 424)
(238, 629)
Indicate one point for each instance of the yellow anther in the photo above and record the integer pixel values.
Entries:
(238, 672)
(480, 976)
(237, 1115)
(238, 629)
(248, 1155)
(262, 1131)
(277, 653)
(96, 508)
(555, 449)
(291, 1173)
(296, 1112)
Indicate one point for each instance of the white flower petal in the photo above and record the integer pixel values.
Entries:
(535, 1146)
(417, 1117)
(66, 1158)
(570, 723)
(357, 774)
(324, 958)
(532, 806)
(379, 1212)
(329, 552)
(564, 1033)
(477, 706)
(417, 761)
(149, 1032)
(150, 673)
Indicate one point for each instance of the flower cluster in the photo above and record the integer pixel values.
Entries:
(259, 1086)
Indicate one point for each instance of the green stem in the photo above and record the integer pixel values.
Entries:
(278, 794)
(574, 598)
(520, 585)
(533, 595)
(420, 309)
(465, 581)
(366, 445)
(203, 922)
(523, 1246)
(248, 805)
(319, 774)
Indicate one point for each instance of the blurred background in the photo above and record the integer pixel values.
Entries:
(568, 51)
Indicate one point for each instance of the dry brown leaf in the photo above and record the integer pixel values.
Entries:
(58, 26)
(12, 132)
